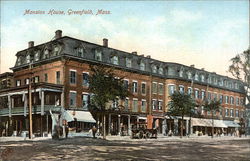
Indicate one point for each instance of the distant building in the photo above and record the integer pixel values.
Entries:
(60, 70)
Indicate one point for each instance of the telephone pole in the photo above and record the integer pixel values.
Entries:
(30, 105)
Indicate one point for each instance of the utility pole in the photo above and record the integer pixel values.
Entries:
(30, 105)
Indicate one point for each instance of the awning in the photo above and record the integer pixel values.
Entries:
(198, 122)
(81, 116)
(231, 123)
(142, 118)
(208, 122)
(219, 123)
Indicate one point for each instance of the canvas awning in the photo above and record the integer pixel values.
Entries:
(81, 116)
(208, 122)
(231, 123)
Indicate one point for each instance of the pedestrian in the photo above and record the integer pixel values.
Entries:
(94, 130)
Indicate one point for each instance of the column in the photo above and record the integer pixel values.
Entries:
(109, 127)
(9, 105)
(119, 124)
(176, 128)
(42, 103)
(47, 122)
(191, 127)
(129, 126)
(137, 120)
(187, 127)
(62, 98)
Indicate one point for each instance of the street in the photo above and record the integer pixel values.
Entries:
(122, 148)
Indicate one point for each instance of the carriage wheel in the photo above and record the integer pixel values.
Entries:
(148, 135)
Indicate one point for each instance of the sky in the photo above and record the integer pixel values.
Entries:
(204, 33)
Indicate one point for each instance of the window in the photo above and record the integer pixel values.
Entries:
(189, 90)
(231, 100)
(160, 104)
(18, 83)
(203, 95)
(221, 98)
(171, 89)
(209, 80)
(202, 78)
(37, 55)
(237, 101)
(181, 73)
(134, 87)
(154, 88)
(231, 113)
(215, 81)
(114, 60)
(160, 70)
(143, 105)
(143, 88)
(27, 81)
(128, 63)
(19, 61)
(220, 82)
(227, 99)
(227, 112)
(56, 50)
(209, 97)
(142, 66)
(196, 77)
(181, 89)
(85, 101)
(221, 111)
(189, 74)
(46, 54)
(215, 97)
(46, 78)
(85, 79)
(196, 93)
(72, 77)
(115, 103)
(125, 83)
(36, 79)
(154, 104)
(230, 85)
(135, 105)
(236, 85)
(79, 51)
(126, 104)
(242, 101)
(154, 69)
(236, 113)
(160, 89)
(72, 99)
(28, 58)
(98, 55)
(58, 77)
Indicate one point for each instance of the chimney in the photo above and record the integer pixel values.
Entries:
(58, 34)
(192, 65)
(134, 52)
(148, 56)
(202, 68)
(105, 42)
(31, 44)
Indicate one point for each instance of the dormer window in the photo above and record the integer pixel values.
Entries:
(46, 54)
(128, 63)
(230, 85)
(98, 55)
(19, 60)
(56, 50)
(114, 60)
(37, 54)
(160, 70)
(202, 78)
(181, 73)
(189, 75)
(215, 80)
(154, 69)
(142, 66)
(236, 85)
(196, 77)
(209, 79)
(28, 58)
(79, 51)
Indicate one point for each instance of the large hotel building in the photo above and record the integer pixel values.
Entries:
(60, 68)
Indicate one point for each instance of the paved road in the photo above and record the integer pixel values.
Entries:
(118, 148)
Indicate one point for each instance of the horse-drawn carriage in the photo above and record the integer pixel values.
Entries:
(140, 131)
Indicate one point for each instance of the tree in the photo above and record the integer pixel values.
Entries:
(181, 104)
(240, 69)
(212, 106)
(105, 88)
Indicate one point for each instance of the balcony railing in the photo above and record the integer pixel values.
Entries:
(35, 110)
